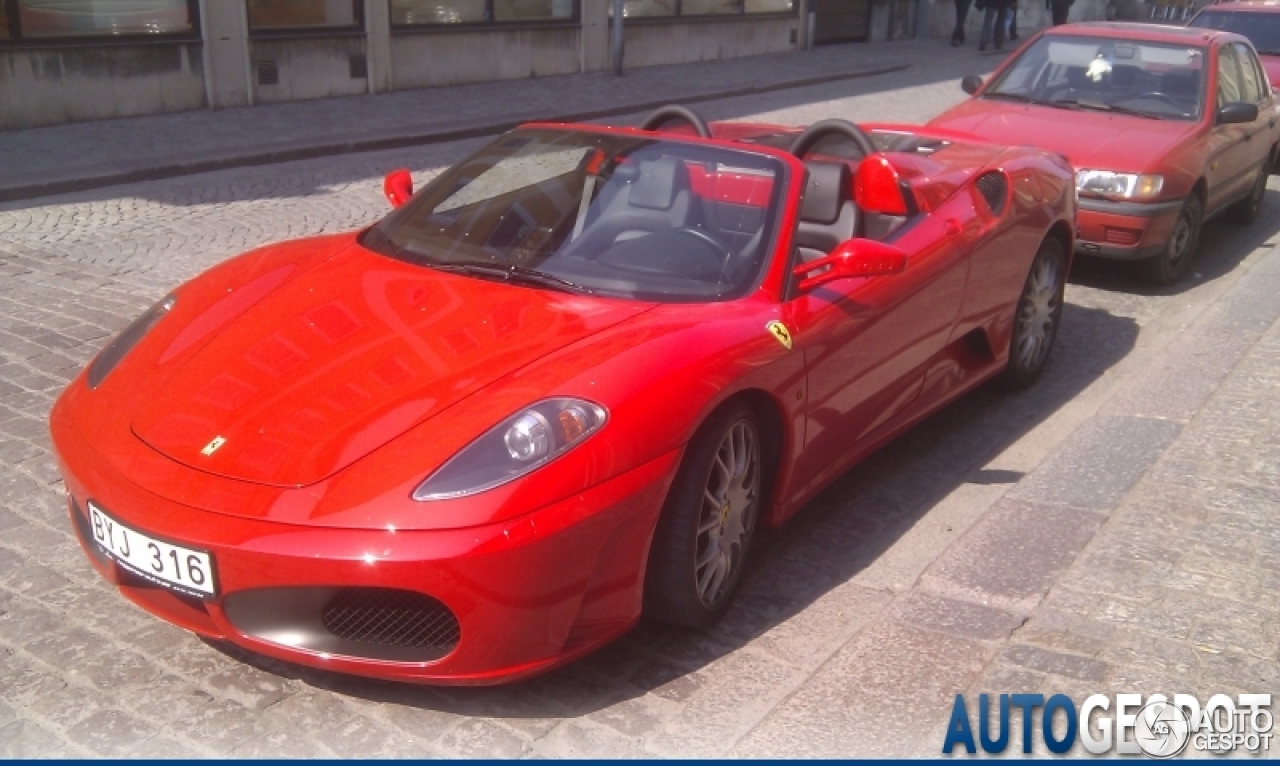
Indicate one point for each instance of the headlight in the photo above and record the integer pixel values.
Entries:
(1124, 185)
(522, 443)
(109, 357)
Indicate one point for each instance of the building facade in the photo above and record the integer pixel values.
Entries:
(73, 60)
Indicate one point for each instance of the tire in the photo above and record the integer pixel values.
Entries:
(1246, 210)
(703, 536)
(1174, 262)
(1035, 325)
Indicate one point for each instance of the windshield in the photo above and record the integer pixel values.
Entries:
(1262, 29)
(1144, 79)
(626, 216)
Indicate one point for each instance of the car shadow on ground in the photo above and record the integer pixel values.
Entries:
(827, 545)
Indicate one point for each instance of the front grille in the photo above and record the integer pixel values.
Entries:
(994, 188)
(393, 617)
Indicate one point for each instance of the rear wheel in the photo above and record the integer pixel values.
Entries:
(703, 536)
(1174, 261)
(1039, 312)
(1246, 210)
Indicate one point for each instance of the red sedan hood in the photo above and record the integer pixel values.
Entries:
(334, 364)
(1272, 65)
(1085, 138)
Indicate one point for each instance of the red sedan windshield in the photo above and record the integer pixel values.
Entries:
(599, 213)
(1151, 80)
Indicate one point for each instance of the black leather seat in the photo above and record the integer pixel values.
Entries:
(828, 215)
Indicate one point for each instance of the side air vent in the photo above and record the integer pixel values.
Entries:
(994, 188)
(268, 72)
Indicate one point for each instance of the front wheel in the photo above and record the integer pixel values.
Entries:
(1039, 312)
(1173, 263)
(701, 542)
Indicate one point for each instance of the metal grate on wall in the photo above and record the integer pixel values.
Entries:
(268, 71)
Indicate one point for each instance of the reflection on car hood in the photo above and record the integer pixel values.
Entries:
(1089, 139)
(337, 362)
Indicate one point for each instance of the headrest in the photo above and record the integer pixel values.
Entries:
(659, 182)
(826, 192)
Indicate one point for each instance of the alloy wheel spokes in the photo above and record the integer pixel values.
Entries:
(1037, 312)
(728, 507)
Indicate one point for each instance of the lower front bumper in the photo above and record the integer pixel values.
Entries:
(527, 594)
(1127, 231)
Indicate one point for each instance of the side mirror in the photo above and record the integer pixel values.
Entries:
(853, 258)
(1236, 112)
(971, 83)
(398, 186)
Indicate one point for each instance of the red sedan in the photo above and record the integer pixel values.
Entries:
(557, 388)
(1258, 20)
(1166, 127)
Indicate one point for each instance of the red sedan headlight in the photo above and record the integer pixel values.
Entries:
(518, 445)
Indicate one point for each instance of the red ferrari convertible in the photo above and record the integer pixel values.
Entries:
(554, 390)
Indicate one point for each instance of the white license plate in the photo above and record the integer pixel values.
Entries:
(173, 566)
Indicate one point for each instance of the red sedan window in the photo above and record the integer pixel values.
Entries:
(1155, 80)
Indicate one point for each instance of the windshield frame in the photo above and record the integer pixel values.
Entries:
(992, 90)
(380, 238)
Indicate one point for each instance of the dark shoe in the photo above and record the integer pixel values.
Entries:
(982, 47)
(1013, 37)
(955, 42)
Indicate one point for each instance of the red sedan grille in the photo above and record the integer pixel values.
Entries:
(395, 617)
(1118, 236)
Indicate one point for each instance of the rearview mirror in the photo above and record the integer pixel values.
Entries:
(1236, 112)
(853, 258)
(398, 186)
(971, 83)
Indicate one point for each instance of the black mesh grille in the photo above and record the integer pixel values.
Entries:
(994, 188)
(395, 617)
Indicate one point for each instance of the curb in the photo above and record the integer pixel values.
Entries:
(32, 191)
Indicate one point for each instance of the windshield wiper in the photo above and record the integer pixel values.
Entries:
(1011, 97)
(1101, 107)
(514, 274)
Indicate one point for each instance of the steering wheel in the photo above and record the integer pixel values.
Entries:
(722, 252)
(820, 130)
(1157, 96)
(665, 114)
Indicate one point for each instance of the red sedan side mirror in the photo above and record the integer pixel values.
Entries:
(853, 258)
(398, 186)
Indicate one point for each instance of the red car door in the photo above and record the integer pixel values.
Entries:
(1234, 155)
(867, 343)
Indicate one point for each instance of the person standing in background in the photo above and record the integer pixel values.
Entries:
(1013, 19)
(993, 21)
(1059, 9)
(962, 13)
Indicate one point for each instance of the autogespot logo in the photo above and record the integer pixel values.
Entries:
(1156, 726)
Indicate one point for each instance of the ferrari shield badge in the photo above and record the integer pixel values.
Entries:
(213, 446)
(779, 331)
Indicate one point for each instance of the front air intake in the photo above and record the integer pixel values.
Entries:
(994, 188)
(391, 617)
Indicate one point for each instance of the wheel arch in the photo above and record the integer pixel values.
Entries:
(773, 430)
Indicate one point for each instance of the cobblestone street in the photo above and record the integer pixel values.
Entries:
(1112, 529)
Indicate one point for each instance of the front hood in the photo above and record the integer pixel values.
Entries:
(346, 357)
(1087, 139)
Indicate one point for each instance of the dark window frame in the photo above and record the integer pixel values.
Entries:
(490, 22)
(16, 41)
(680, 16)
(356, 29)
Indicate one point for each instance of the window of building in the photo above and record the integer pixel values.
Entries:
(660, 8)
(304, 15)
(410, 13)
(39, 20)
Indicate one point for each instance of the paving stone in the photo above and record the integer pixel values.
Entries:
(583, 739)
(959, 618)
(484, 739)
(1013, 555)
(1099, 463)
(26, 739)
(111, 733)
(1055, 663)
